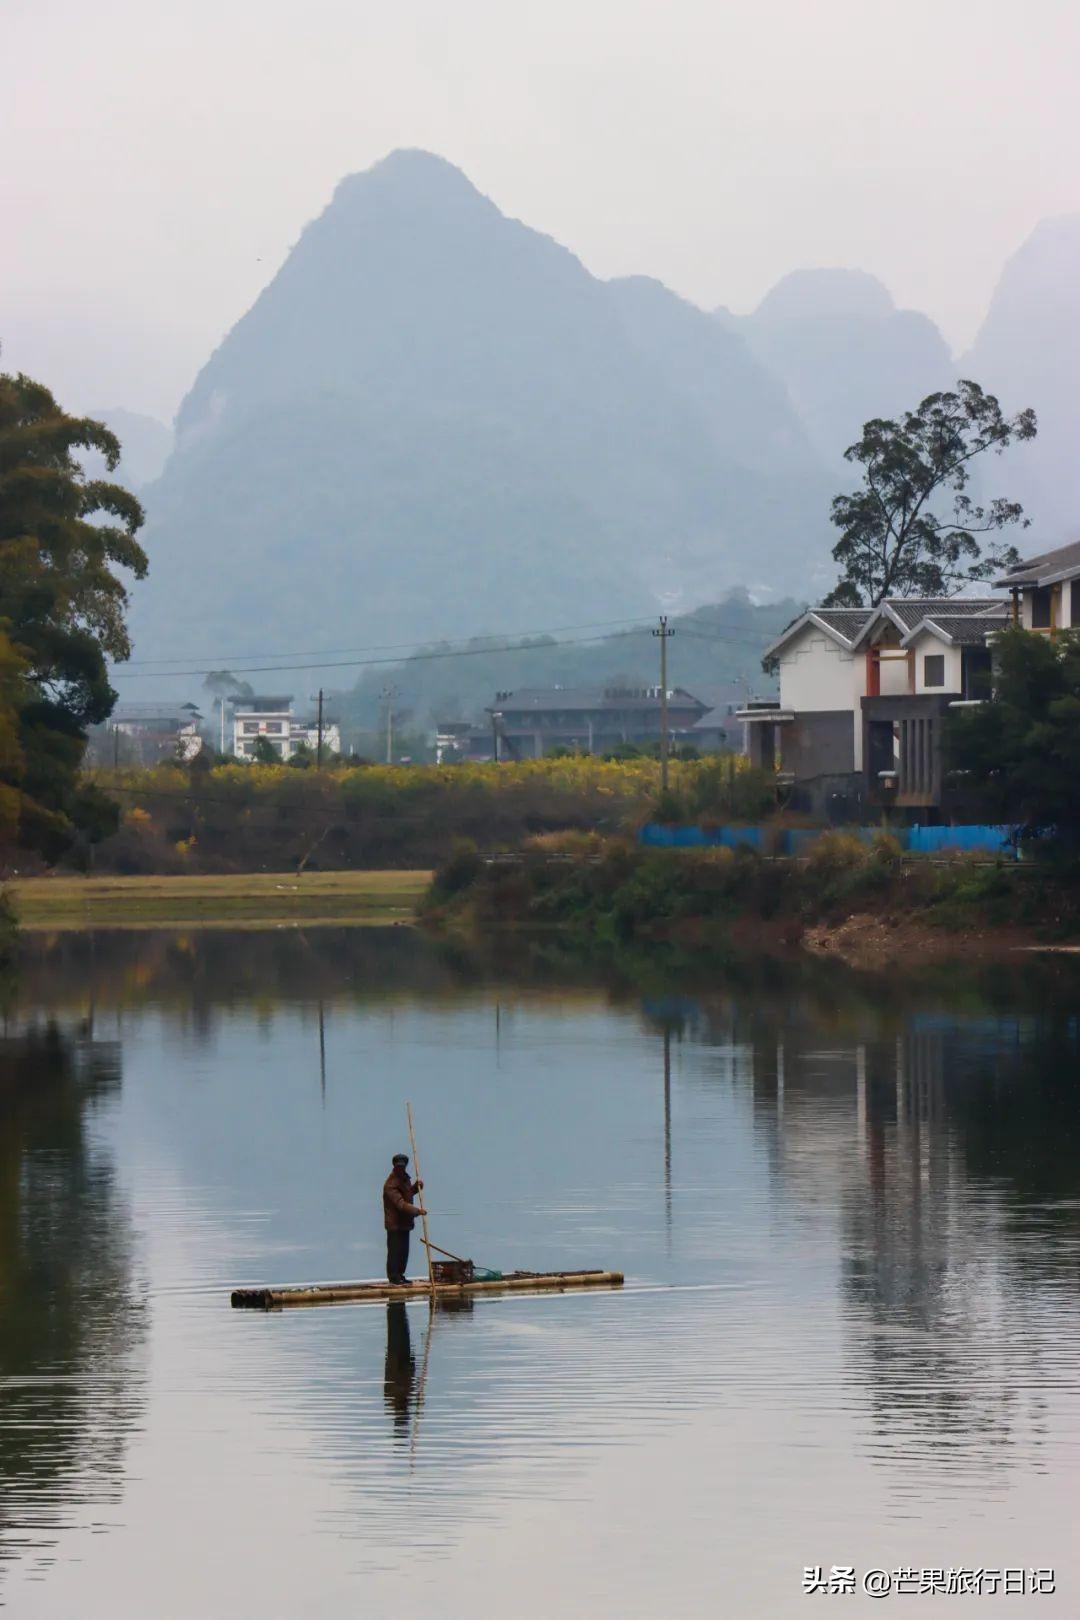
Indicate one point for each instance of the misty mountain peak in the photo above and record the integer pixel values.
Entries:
(845, 352)
(413, 178)
(1043, 267)
(826, 294)
(439, 419)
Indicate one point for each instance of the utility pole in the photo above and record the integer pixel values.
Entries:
(115, 746)
(664, 635)
(389, 693)
(318, 746)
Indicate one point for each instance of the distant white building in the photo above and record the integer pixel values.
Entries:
(272, 719)
(307, 732)
(154, 732)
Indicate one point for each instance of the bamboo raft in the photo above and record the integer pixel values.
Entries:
(270, 1299)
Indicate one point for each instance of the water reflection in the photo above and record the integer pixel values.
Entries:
(946, 1149)
(71, 1320)
(400, 1373)
(849, 1211)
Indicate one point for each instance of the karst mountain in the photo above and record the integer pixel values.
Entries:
(435, 421)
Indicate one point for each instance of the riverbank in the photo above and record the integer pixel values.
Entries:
(864, 903)
(224, 901)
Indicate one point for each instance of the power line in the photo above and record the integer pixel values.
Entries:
(732, 634)
(223, 659)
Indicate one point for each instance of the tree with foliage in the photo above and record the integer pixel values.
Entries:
(891, 542)
(1020, 753)
(62, 607)
(264, 753)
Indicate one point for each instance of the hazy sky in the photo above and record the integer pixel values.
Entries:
(158, 157)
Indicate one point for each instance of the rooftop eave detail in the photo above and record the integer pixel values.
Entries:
(810, 617)
(1032, 582)
(760, 716)
(882, 611)
(935, 629)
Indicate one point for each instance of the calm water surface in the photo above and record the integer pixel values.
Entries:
(849, 1215)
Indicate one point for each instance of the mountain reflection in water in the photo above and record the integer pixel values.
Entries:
(848, 1210)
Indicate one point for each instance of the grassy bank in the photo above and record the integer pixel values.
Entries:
(261, 898)
(847, 895)
(259, 818)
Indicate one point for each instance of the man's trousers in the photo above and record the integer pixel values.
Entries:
(397, 1255)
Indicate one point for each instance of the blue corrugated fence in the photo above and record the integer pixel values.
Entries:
(916, 840)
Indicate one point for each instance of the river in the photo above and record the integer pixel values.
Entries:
(848, 1211)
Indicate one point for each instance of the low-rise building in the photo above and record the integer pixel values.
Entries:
(863, 697)
(864, 692)
(272, 719)
(156, 731)
(1045, 591)
(532, 721)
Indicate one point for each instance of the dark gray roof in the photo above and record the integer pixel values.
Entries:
(1031, 570)
(850, 624)
(147, 714)
(564, 699)
(910, 610)
(969, 629)
(847, 622)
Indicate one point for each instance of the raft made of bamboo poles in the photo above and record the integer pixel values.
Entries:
(269, 1299)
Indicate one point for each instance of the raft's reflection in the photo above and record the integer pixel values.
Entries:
(400, 1374)
(403, 1391)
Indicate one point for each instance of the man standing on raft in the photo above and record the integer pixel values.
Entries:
(399, 1212)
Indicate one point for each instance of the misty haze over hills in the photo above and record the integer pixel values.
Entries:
(145, 443)
(845, 353)
(1028, 350)
(435, 422)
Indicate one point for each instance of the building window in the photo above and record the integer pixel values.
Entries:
(933, 669)
(1040, 608)
(251, 728)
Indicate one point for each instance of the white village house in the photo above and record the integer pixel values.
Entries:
(864, 691)
(272, 718)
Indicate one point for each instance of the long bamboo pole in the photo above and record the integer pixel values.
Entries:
(419, 1177)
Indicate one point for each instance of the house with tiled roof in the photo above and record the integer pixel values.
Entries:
(1045, 591)
(864, 693)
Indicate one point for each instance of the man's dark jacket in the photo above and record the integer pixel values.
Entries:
(399, 1211)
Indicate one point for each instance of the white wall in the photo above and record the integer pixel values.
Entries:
(816, 674)
(954, 678)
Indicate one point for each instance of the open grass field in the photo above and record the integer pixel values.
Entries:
(233, 900)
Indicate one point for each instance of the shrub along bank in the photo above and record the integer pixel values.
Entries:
(618, 891)
(235, 818)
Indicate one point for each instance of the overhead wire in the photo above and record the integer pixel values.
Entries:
(521, 644)
(389, 646)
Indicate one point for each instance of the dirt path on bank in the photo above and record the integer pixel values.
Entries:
(866, 940)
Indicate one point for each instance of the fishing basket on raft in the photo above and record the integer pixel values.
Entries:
(462, 1271)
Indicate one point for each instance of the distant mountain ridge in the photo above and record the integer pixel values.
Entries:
(435, 420)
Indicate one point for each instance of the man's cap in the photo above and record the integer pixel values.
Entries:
(400, 1158)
